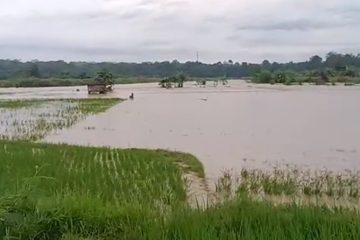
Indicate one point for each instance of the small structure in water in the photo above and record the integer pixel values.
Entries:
(102, 84)
(201, 83)
(99, 88)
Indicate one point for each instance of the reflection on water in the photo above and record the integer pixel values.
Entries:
(232, 127)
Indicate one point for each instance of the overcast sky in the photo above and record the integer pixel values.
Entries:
(156, 30)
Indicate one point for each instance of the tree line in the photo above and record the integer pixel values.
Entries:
(60, 70)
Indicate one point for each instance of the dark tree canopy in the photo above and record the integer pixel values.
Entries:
(14, 69)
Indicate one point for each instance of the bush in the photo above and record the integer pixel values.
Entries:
(262, 77)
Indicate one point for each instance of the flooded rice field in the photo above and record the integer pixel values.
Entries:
(241, 125)
(45, 93)
(35, 120)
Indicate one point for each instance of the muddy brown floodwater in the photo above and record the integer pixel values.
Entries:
(242, 125)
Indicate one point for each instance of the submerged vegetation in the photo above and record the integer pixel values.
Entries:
(293, 185)
(13, 104)
(33, 119)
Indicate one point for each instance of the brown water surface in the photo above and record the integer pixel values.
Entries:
(231, 127)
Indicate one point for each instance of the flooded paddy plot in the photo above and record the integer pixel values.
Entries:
(293, 185)
(240, 126)
(33, 119)
(101, 192)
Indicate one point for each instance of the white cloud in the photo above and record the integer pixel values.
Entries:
(149, 30)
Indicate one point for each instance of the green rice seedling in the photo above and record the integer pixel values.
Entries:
(67, 192)
(86, 183)
(129, 175)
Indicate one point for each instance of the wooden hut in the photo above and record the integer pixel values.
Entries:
(99, 86)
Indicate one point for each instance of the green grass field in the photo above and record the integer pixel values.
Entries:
(68, 192)
(85, 185)
(86, 105)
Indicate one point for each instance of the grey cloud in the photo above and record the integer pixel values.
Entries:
(216, 19)
(292, 25)
(175, 3)
(157, 43)
(147, 2)
(137, 30)
(96, 15)
(163, 2)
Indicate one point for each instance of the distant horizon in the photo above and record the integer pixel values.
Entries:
(193, 61)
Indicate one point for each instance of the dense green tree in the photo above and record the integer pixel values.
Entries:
(33, 70)
(105, 77)
(315, 62)
(15, 69)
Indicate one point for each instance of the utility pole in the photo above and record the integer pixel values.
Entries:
(197, 56)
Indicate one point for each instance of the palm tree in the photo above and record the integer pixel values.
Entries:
(105, 77)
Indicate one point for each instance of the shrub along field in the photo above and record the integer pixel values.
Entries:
(324, 77)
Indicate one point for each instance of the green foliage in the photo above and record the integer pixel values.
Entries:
(280, 77)
(105, 77)
(262, 77)
(176, 80)
(60, 73)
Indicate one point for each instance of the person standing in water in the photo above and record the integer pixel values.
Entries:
(132, 96)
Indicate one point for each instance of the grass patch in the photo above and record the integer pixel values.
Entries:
(94, 106)
(108, 175)
(68, 192)
(18, 103)
(186, 161)
(50, 190)
(87, 105)
(246, 219)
